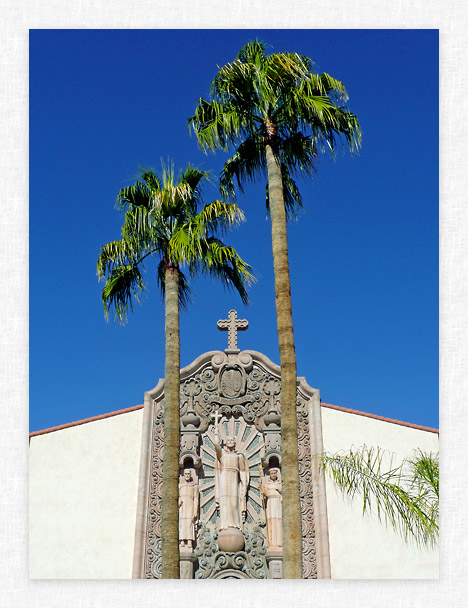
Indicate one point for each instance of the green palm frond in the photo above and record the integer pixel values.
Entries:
(195, 180)
(424, 469)
(281, 90)
(151, 179)
(399, 495)
(137, 195)
(224, 263)
(120, 253)
(216, 218)
(216, 124)
(162, 219)
(187, 242)
(299, 154)
(252, 52)
(112, 254)
(124, 284)
(244, 165)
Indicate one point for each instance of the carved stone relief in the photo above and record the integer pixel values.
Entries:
(243, 390)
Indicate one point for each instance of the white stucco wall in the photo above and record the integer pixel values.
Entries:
(362, 547)
(84, 488)
(83, 485)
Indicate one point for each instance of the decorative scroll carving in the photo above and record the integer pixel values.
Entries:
(212, 562)
(234, 388)
(309, 562)
(153, 554)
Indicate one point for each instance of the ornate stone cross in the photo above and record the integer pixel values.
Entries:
(232, 325)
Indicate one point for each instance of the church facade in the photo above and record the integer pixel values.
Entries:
(95, 486)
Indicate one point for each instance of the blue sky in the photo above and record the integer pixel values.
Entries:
(363, 254)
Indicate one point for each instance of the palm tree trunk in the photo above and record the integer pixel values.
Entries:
(292, 533)
(170, 483)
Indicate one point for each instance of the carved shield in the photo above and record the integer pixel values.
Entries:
(232, 382)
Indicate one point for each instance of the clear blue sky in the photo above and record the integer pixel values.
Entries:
(363, 254)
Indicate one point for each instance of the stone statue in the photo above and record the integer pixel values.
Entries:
(271, 488)
(232, 479)
(188, 509)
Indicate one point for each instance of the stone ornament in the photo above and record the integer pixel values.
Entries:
(232, 325)
(251, 562)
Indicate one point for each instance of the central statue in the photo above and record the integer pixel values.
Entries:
(232, 479)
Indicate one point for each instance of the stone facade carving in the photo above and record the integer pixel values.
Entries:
(153, 553)
(248, 563)
(309, 562)
(239, 393)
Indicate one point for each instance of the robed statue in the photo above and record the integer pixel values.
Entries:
(271, 489)
(232, 479)
(188, 508)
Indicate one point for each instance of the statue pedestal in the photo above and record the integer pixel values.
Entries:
(275, 563)
(187, 559)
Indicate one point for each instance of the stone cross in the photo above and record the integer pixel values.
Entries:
(232, 325)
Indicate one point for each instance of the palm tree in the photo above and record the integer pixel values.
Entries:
(277, 114)
(406, 496)
(162, 220)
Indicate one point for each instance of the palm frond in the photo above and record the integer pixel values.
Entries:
(124, 284)
(119, 253)
(151, 179)
(387, 490)
(299, 154)
(137, 195)
(162, 218)
(224, 263)
(216, 218)
(281, 90)
(215, 125)
(252, 52)
(187, 242)
(194, 179)
(244, 165)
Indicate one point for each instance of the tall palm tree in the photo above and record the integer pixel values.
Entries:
(406, 497)
(162, 220)
(277, 114)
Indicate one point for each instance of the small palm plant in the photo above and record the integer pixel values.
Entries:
(162, 220)
(406, 497)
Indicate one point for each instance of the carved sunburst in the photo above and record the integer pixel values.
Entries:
(249, 441)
